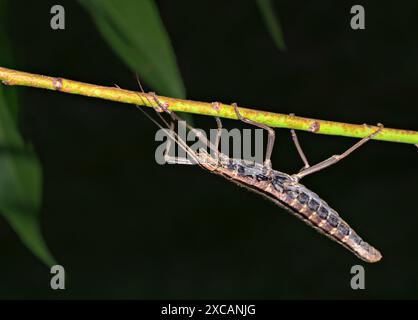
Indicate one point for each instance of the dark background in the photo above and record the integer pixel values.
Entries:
(125, 227)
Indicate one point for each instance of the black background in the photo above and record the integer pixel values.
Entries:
(125, 227)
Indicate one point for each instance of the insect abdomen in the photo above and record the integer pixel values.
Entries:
(317, 213)
(302, 202)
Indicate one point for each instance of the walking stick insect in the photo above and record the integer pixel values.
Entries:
(281, 188)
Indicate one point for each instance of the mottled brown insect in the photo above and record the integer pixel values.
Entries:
(281, 188)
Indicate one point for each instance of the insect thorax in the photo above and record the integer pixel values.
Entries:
(255, 171)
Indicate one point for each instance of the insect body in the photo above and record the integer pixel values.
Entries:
(281, 188)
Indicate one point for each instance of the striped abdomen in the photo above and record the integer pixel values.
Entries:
(295, 197)
(316, 212)
(305, 204)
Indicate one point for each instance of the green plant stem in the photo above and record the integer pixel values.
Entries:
(13, 77)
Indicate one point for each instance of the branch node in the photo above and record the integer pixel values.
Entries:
(216, 106)
(314, 127)
(57, 83)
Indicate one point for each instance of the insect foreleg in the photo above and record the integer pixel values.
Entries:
(176, 160)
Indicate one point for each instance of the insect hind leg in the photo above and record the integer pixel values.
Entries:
(298, 147)
(335, 158)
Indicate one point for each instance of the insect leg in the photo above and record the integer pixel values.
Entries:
(175, 117)
(271, 135)
(170, 159)
(299, 148)
(176, 160)
(161, 107)
(172, 135)
(335, 158)
(218, 133)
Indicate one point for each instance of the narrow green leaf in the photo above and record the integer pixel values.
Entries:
(135, 31)
(20, 186)
(272, 22)
(20, 171)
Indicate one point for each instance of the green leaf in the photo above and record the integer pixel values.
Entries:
(136, 33)
(20, 171)
(272, 22)
(20, 185)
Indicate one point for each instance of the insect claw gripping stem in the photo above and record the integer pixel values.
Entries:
(161, 107)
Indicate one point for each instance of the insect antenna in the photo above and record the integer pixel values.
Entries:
(175, 117)
(168, 128)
